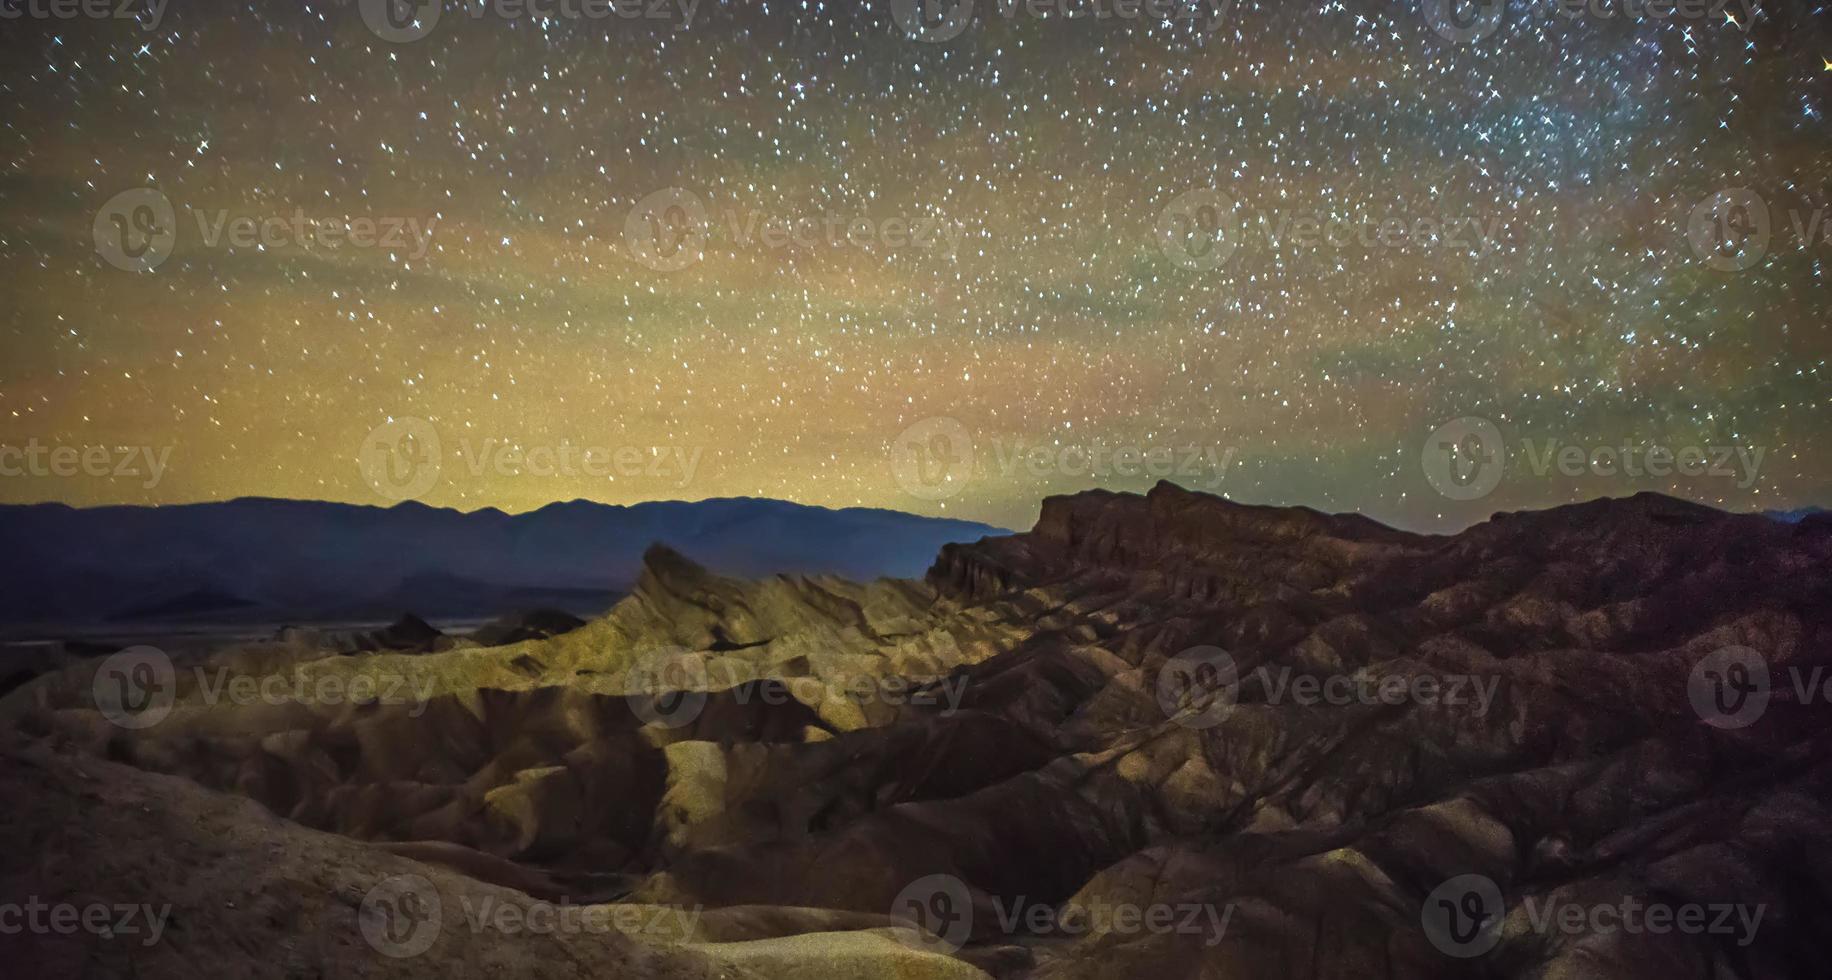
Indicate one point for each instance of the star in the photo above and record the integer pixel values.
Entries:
(896, 231)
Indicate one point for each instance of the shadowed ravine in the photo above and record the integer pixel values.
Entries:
(1544, 701)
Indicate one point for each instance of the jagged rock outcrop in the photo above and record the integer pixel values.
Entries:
(1283, 728)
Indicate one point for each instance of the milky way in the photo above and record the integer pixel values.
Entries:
(1381, 257)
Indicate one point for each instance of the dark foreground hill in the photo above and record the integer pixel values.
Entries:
(1165, 736)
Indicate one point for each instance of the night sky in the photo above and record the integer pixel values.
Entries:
(794, 251)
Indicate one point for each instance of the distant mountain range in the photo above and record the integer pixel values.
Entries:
(258, 559)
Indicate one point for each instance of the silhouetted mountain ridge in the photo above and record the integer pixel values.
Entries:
(260, 557)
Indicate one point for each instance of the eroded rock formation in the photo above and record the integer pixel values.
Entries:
(1382, 713)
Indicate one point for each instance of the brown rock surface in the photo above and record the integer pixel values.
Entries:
(1514, 702)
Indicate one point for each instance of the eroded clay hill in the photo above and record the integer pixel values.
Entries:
(1287, 730)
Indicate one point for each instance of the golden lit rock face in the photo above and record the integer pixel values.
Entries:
(1268, 721)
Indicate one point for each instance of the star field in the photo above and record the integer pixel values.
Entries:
(983, 230)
